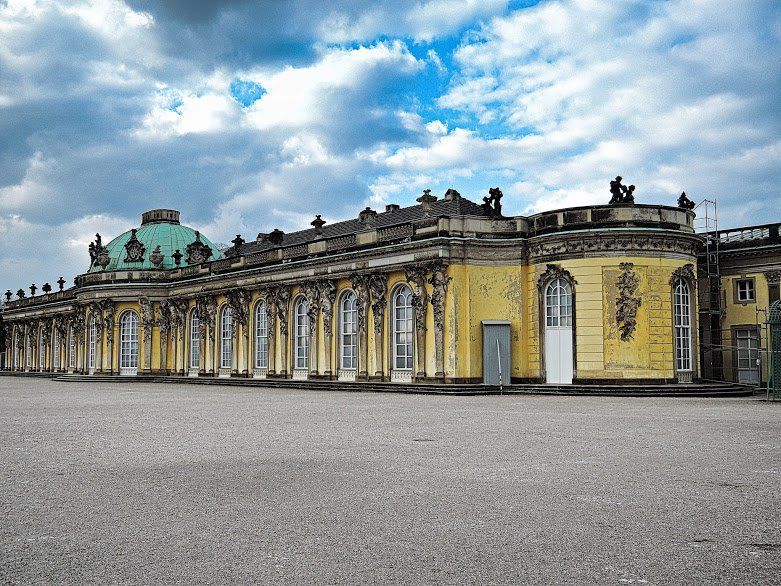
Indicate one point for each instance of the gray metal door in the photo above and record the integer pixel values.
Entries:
(496, 352)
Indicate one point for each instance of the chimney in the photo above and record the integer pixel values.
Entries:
(392, 207)
(367, 216)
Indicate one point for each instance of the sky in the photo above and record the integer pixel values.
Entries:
(249, 116)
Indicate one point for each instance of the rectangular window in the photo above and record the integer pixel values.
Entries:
(744, 291)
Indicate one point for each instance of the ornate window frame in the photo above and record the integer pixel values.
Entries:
(350, 336)
(226, 339)
(407, 318)
(194, 357)
(301, 341)
(685, 274)
(129, 342)
(260, 335)
(553, 272)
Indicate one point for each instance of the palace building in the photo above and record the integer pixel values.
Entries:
(448, 291)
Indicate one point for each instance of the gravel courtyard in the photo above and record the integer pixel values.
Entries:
(158, 483)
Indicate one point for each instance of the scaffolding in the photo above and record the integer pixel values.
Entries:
(709, 279)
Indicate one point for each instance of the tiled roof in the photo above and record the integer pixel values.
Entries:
(457, 206)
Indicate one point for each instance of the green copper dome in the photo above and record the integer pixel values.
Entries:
(138, 248)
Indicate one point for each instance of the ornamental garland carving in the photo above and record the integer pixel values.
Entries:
(628, 301)
(238, 301)
(32, 331)
(773, 277)
(163, 320)
(147, 317)
(205, 309)
(378, 287)
(554, 272)
(361, 288)
(439, 282)
(177, 312)
(134, 249)
(416, 277)
(585, 244)
(108, 308)
(79, 323)
(686, 272)
(327, 298)
(282, 302)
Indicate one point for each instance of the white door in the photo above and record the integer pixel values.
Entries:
(747, 342)
(558, 332)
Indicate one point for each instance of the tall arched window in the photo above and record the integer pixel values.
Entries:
(348, 328)
(71, 348)
(403, 328)
(558, 303)
(195, 340)
(683, 328)
(302, 333)
(226, 337)
(93, 338)
(41, 350)
(261, 335)
(28, 359)
(128, 343)
(56, 350)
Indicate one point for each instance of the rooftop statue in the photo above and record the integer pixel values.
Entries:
(684, 202)
(621, 194)
(493, 203)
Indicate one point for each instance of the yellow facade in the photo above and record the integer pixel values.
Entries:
(484, 270)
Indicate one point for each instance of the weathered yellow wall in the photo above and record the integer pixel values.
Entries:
(742, 314)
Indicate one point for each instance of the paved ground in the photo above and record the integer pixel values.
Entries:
(106, 483)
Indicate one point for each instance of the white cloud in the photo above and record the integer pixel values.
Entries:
(297, 96)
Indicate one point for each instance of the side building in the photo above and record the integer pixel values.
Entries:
(447, 290)
(740, 293)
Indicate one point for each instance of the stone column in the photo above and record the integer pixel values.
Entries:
(109, 312)
(416, 277)
(79, 330)
(327, 299)
(312, 294)
(147, 322)
(97, 315)
(378, 287)
(439, 281)
(271, 320)
(164, 325)
(361, 287)
(32, 336)
(282, 302)
(211, 349)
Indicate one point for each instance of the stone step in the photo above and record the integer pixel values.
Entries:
(673, 390)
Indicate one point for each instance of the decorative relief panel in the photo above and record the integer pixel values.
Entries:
(627, 302)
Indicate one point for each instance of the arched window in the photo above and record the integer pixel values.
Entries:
(28, 359)
(56, 349)
(226, 337)
(348, 328)
(261, 335)
(41, 350)
(558, 303)
(128, 343)
(403, 328)
(683, 328)
(93, 338)
(195, 340)
(71, 348)
(302, 333)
